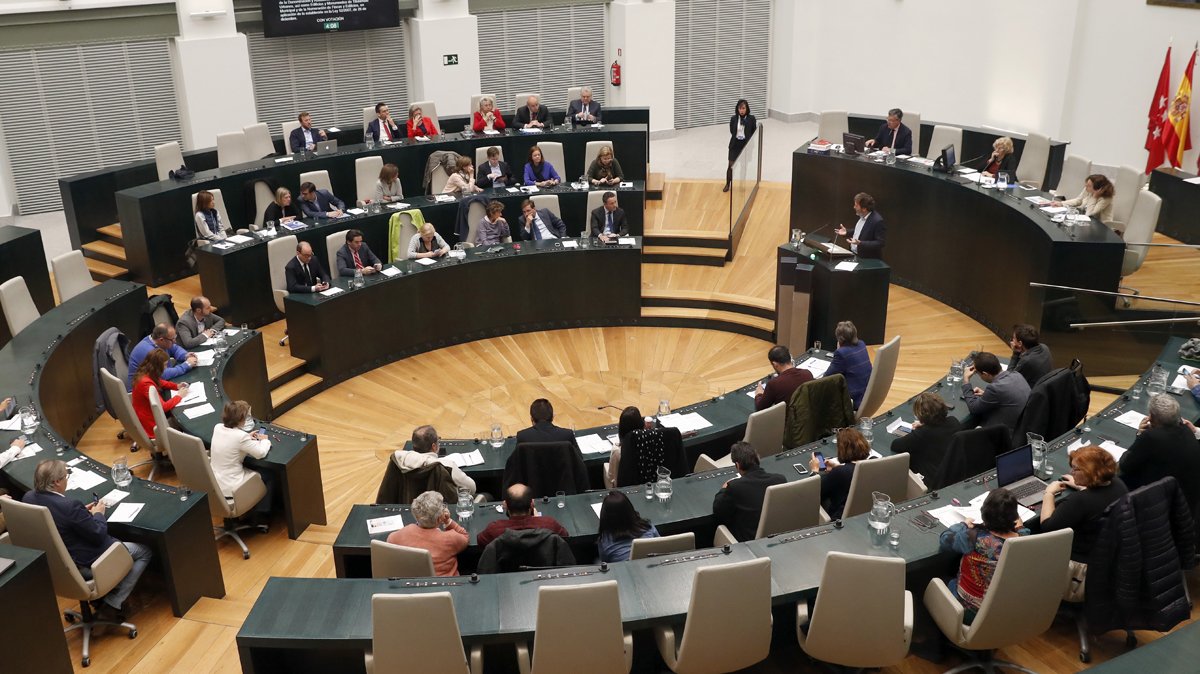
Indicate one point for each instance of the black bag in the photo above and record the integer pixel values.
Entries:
(182, 173)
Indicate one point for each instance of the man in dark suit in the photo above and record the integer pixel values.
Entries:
(319, 203)
(1003, 401)
(356, 255)
(584, 110)
(892, 134)
(931, 435)
(870, 233)
(1030, 357)
(383, 127)
(306, 137)
(532, 115)
(494, 172)
(541, 414)
(608, 221)
(738, 505)
(84, 532)
(304, 272)
(537, 225)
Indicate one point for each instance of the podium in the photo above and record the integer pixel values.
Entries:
(813, 296)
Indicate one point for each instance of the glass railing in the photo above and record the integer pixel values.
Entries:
(747, 173)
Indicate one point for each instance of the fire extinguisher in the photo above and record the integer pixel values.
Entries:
(616, 74)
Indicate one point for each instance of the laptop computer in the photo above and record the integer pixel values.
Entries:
(1014, 472)
(327, 147)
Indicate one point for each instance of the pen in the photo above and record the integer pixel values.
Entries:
(955, 502)
(276, 438)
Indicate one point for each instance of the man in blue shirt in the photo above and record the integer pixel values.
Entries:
(162, 337)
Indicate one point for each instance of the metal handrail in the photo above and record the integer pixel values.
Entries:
(1112, 294)
(1193, 319)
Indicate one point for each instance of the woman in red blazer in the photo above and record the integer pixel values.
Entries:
(149, 374)
(419, 125)
(485, 114)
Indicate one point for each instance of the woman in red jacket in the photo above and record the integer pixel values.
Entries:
(487, 117)
(419, 125)
(149, 374)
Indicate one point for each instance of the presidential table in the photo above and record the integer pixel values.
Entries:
(1180, 204)
(32, 639)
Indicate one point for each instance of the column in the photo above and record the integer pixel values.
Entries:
(444, 56)
(641, 37)
(212, 67)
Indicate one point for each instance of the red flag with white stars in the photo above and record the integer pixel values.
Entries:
(1158, 111)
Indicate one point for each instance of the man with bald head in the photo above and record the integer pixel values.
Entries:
(196, 326)
(518, 501)
(304, 272)
(533, 115)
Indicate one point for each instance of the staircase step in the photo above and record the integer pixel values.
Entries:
(102, 271)
(655, 184)
(292, 389)
(711, 319)
(713, 257)
(111, 230)
(685, 239)
(701, 299)
(107, 249)
(283, 369)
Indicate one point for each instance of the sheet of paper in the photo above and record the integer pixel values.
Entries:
(444, 198)
(964, 170)
(899, 425)
(815, 365)
(1131, 419)
(1180, 382)
(426, 261)
(529, 189)
(570, 244)
(1076, 445)
(282, 159)
(531, 130)
(355, 211)
(627, 241)
(29, 450)
(423, 139)
(625, 185)
(975, 177)
(398, 205)
(76, 461)
(464, 459)
(126, 512)
(332, 291)
(223, 246)
(1080, 218)
(238, 238)
(83, 480)
(229, 332)
(491, 132)
(951, 514)
(686, 423)
(114, 496)
(593, 444)
(197, 412)
(513, 189)
(382, 524)
(846, 266)
(333, 129)
(13, 424)
(1194, 181)
(390, 271)
(752, 393)
(1113, 448)
(293, 225)
(596, 507)
(1053, 209)
(195, 394)
(205, 358)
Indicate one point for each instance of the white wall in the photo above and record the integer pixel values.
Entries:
(443, 27)
(211, 61)
(644, 31)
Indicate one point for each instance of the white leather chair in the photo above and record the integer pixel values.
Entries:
(262, 198)
(160, 424)
(764, 429)
(728, 620)
(258, 140)
(705, 464)
(1127, 186)
(481, 155)
(194, 469)
(475, 98)
(549, 201)
(1020, 604)
(438, 180)
(407, 231)
(578, 630)
(859, 595)
(553, 153)
(475, 213)
(430, 642)
(1034, 158)
(119, 396)
(428, 109)
(167, 157)
(521, 100)
(591, 151)
(644, 547)
(833, 124)
(286, 128)
(880, 383)
(1140, 230)
(318, 178)
(280, 251)
(595, 199)
(71, 275)
(334, 243)
(231, 149)
(398, 561)
(219, 204)
(913, 121)
(19, 309)
(1075, 171)
(573, 94)
(786, 507)
(887, 475)
(369, 115)
(32, 527)
(366, 174)
(942, 136)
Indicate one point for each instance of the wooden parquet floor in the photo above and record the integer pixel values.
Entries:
(462, 388)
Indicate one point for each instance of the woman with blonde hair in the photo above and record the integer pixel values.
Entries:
(486, 117)
(463, 178)
(427, 243)
(1002, 159)
(605, 169)
(208, 219)
(387, 188)
(420, 125)
(282, 209)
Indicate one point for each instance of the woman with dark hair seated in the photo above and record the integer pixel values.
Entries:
(631, 420)
(980, 546)
(619, 525)
(852, 447)
(931, 434)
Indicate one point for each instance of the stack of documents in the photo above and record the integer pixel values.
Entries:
(950, 515)
(686, 423)
(1131, 419)
(195, 394)
(815, 365)
(466, 459)
(381, 524)
(83, 480)
(593, 444)
(197, 412)
(1180, 379)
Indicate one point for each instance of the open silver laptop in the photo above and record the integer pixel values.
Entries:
(1014, 472)
(327, 147)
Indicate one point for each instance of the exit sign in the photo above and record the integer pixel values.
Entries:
(330, 25)
(450, 60)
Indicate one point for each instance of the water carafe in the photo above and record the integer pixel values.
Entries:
(882, 511)
(663, 487)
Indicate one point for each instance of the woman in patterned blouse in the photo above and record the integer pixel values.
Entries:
(980, 546)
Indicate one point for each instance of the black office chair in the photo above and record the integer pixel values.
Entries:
(517, 549)
(547, 468)
(971, 452)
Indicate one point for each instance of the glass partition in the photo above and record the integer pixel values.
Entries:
(747, 173)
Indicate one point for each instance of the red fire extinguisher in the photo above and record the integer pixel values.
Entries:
(616, 74)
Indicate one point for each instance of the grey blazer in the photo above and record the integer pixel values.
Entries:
(187, 329)
(1002, 401)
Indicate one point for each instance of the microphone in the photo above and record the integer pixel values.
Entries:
(986, 154)
(818, 229)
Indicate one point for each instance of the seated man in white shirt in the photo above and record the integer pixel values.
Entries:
(306, 137)
(539, 224)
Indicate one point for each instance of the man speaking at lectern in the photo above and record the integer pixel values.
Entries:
(869, 233)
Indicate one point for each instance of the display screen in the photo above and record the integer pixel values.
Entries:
(303, 17)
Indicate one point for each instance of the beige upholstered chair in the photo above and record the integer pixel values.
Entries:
(833, 124)
(553, 153)
(595, 199)
(161, 438)
(428, 109)
(280, 251)
(475, 98)
(573, 94)
(880, 382)
(19, 309)
(31, 526)
(286, 128)
(481, 155)
(1128, 185)
(549, 201)
(1020, 603)
(195, 470)
(591, 152)
(860, 595)
(579, 631)
(475, 213)
(219, 204)
(522, 99)
(366, 174)
(944, 135)
(912, 120)
(263, 197)
(71, 275)
(438, 180)
(705, 464)
(398, 561)
(1140, 230)
(1075, 171)
(167, 157)
(407, 231)
(644, 547)
(119, 396)
(318, 178)
(231, 149)
(1034, 158)
(728, 621)
(430, 643)
(786, 507)
(258, 141)
(334, 243)
(764, 429)
(369, 116)
(888, 475)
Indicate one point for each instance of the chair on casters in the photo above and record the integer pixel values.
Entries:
(19, 309)
(429, 109)
(121, 401)
(591, 151)
(31, 526)
(764, 432)
(887, 475)
(279, 252)
(553, 153)
(263, 197)
(728, 620)
(407, 231)
(195, 470)
(578, 630)
(432, 643)
(1140, 230)
(643, 547)
(786, 507)
(1034, 158)
(880, 382)
(1020, 603)
(219, 204)
(286, 129)
(481, 156)
(833, 124)
(167, 157)
(595, 199)
(475, 98)
(859, 595)
(521, 101)
(398, 561)
(913, 121)
(71, 275)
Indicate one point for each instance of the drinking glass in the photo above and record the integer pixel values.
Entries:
(864, 426)
(560, 499)
(184, 493)
(894, 537)
(817, 346)
(1048, 466)
(720, 393)
(497, 435)
(120, 472)
(245, 327)
(585, 241)
(369, 142)
(1135, 391)
(29, 420)
(664, 407)
(649, 490)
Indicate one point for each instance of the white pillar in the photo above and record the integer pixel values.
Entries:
(643, 31)
(444, 56)
(212, 67)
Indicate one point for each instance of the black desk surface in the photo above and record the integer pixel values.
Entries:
(22, 254)
(32, 641)
(1180, 203)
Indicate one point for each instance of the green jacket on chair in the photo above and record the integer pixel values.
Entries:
(816, 409)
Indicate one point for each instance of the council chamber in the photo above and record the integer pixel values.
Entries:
(606, 337)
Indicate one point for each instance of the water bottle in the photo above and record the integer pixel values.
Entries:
(359, 281)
